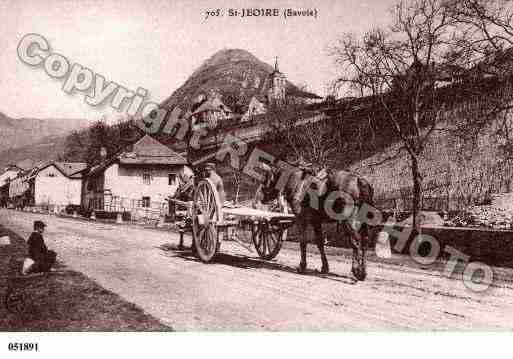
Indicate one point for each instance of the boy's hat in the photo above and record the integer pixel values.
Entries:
(39, 224)
(210, 166)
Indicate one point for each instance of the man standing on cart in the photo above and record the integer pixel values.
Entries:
(211, 174)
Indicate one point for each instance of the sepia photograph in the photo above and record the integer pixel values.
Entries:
(229, 166)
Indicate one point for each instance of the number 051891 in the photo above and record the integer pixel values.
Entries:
(23, 347)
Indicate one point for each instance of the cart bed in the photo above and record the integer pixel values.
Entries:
(252, 212)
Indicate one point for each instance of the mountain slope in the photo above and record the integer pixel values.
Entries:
(21, 132)
(236, 74)
(47, 149)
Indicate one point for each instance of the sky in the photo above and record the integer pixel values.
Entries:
(157, 44)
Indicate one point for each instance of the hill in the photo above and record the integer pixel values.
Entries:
(234, 73)
(23, 132)
(48, 148)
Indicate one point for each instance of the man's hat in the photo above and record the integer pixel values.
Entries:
(210, 166)
(39, 224)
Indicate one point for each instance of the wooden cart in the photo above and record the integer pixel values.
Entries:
(212, 223)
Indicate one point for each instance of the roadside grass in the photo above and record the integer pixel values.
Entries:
(63, 300)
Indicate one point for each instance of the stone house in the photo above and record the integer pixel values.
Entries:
(140, 177)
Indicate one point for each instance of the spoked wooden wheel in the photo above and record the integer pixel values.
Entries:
(206, 215)
(268, 238)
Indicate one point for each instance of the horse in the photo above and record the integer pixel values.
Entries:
(290, 187)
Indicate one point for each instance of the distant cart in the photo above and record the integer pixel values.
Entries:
(211, 223)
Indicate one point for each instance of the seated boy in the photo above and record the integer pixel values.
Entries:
(43, 258)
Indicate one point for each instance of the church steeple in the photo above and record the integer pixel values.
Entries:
(278, 84)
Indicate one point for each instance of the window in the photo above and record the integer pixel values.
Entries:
(171, 179)
(146, 202)
(146, 178)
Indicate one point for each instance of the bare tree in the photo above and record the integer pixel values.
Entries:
(298, 134)
(488, 26)
(401, 68)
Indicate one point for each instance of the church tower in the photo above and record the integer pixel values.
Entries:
(277, 87)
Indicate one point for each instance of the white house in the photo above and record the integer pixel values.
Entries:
(142, 175)
(21, 188)
(9, 174)
(58, 183)
(211, 112)
(256, 107)
(20, 193)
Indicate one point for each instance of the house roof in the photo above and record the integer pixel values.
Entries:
(149, 149)
(9, 174)
(155, 160)
(68, 169)
(12, 167)
(93, 170)
(71, 168)
(258, 97)
(214, 104)
(146, 151)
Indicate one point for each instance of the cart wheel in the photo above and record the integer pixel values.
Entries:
(268, 238)
(206, 215)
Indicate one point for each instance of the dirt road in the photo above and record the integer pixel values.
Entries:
(241, 292)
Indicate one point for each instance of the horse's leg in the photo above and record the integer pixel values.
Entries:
(302, 245)
(363, 243)
(358, 261)
(317, 227)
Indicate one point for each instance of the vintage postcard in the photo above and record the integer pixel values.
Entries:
(255, 166)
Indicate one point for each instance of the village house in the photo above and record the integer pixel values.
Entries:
(275, 92)
(10, 173)
(58, 184)
(47, 184)
(210, 111)
(21, 188)
(256, 107)
(141, 176)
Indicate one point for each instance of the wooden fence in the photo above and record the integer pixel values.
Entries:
(137, 208)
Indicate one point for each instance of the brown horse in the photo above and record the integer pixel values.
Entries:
(291, 186)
